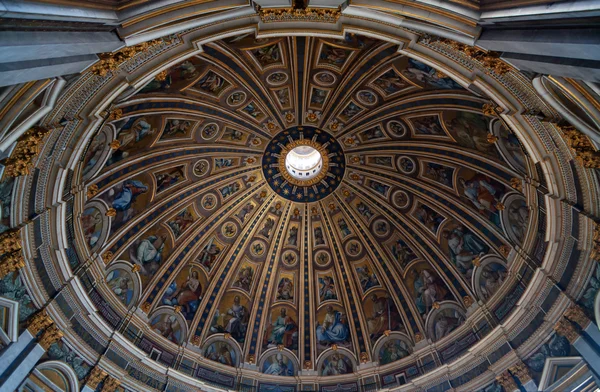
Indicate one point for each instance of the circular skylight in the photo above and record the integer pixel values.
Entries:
(304, 162)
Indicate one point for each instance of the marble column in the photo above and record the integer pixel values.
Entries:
(37, 323)
(582, 343)
(20, 370)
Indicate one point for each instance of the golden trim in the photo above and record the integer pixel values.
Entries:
(303, 142)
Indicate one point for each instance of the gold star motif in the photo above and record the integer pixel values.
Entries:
(299, 195)
(286, 191)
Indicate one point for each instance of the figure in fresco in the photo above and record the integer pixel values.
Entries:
(293, 236)
(318, 97)
(283, 96)
(557, 346)
(244, 211)
(187, 70)
(334, 328)
(464, 247)
(364, 210)
(427, 75)
(439, 173)
(319, 236)
(392, 351)
(390, 82)
(212, 83)
(168, 327)
(492, 277)
(278, 365)
(380, 188)
(518, 218)
(447, 321)
(244, 278)
(267, 227)
(277, 78)
(470, 131)
(229, 190)
(147, 253)
(367, 97)
(92, 223)
(383, 317)
(176, 127)
(267, 55)
(94, 152)
(343, 227)
(188, 295)
(335, 365)
(180, 222)
(168, 179)
(427, 125)
(372, 134)
(221, 163)
(209, 254)
(252, 110)
(366, 278)
(284, 330)
(285, 289)
(220, 352)
(397, 128)
(236, 98)
(484, 193)
(383, 161)
(402, 253)
(327, 288)
(121, 284)
(236, 320)
(132, 133)
(381, 228)
(428, 217)
(334, 56)
(126, 196)
(427, 290)
(351, 110)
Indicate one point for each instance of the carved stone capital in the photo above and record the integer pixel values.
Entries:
(110, 384)
(12, 262)
(50, 336)
(578, 316)
(521, 372)
(96, 376)
(506, 380)
(39, 321)
(565, 328)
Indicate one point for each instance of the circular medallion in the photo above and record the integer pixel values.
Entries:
(381, 228)
(303, 164)
(322, 258)
(201, 168)
(236, 99)
(366, 97)
(209, 202)
(277, 78)
(257, 248)
(289, 258)
(400, 199)
(229, 230)
(407, 165)
(209, 131)
(353, 248)
(324, 78)
(396, 128)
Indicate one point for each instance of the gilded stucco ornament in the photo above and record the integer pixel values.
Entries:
(10, 241)
(581, 146)
(595, 254)
(326, 15)
(95, 378)
(110, 62)
(92, 191)
(110, 384)
(28, 147)
(507, 381)
(578, 316)
(521, 372)
(50, 336)
(38, 322)
(12, 262)
(491, 109)
(490, 60)
(565, 328)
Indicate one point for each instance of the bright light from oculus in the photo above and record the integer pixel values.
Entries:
(304, 162)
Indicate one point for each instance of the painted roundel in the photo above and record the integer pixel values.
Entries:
(303, 164)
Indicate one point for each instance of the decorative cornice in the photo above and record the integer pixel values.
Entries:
(112, 61)
(326, 15)
(507, 381)
(577, 315)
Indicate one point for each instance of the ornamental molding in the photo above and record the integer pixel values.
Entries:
(325, 15)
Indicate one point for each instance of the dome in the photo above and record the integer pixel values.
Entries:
(304, 211)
